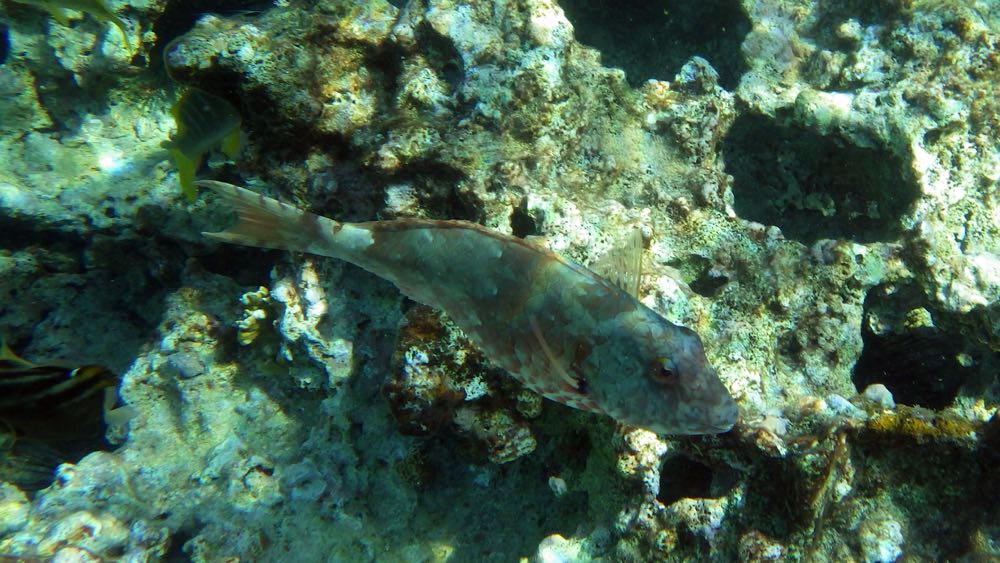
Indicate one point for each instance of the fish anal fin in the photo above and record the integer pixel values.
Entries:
(232, 142)
(186, 169)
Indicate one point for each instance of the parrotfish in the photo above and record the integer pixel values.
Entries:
(559, 328)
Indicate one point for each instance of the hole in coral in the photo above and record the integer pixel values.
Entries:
(439, 189)
(918, 366)
(179, 17)
(655, 39)
(442, 55)
(4, 43)
(682, 477)
(708, 285)
(522, 224)
(815, 187)
(923, 356)
(697, 271)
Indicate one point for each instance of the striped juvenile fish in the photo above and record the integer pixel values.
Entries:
(559, 328)
(54, 401)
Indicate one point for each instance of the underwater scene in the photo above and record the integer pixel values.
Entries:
(517, 281)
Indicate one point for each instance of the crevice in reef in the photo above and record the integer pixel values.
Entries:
(683, 477)
(654, 39)
(179, 17)
(816, 187)
(925, 357)
(4, 43)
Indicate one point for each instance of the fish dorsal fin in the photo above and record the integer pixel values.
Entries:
(553, 360)
(538, 241)
(622, 265)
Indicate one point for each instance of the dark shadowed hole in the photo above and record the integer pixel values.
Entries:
(708, 285)
(654, 39)
(442, 55)
(179, 17)
(704, 281)
(177, 553)
(816, 187)
(696, 271)
(918, 364)
(439, 188)
(833, 14)
(682, 477)
(4, 43)
(522, 224)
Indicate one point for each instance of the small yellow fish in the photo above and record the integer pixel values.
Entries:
(204, 122)
(97, 8)
(54, 401)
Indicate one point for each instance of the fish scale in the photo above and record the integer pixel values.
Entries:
(559, 328)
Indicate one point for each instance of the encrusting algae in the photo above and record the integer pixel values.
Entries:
(97, 8)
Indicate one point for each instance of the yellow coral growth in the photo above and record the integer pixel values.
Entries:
(922, 426)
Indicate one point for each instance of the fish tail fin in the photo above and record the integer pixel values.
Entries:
(268, 223)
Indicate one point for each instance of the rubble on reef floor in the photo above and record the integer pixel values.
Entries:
(816, 187)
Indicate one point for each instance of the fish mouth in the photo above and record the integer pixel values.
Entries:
(720, 428)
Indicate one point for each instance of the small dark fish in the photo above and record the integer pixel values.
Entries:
(53, 401)
(204, 122)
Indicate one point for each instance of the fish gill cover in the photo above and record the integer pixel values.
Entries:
(815, 185)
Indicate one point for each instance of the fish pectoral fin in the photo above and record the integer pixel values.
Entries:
(116, 416)
(553, 361)
(232, 143)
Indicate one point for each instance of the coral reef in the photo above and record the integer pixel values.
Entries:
(816, 186)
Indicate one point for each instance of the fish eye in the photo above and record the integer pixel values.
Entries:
(663, 372)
